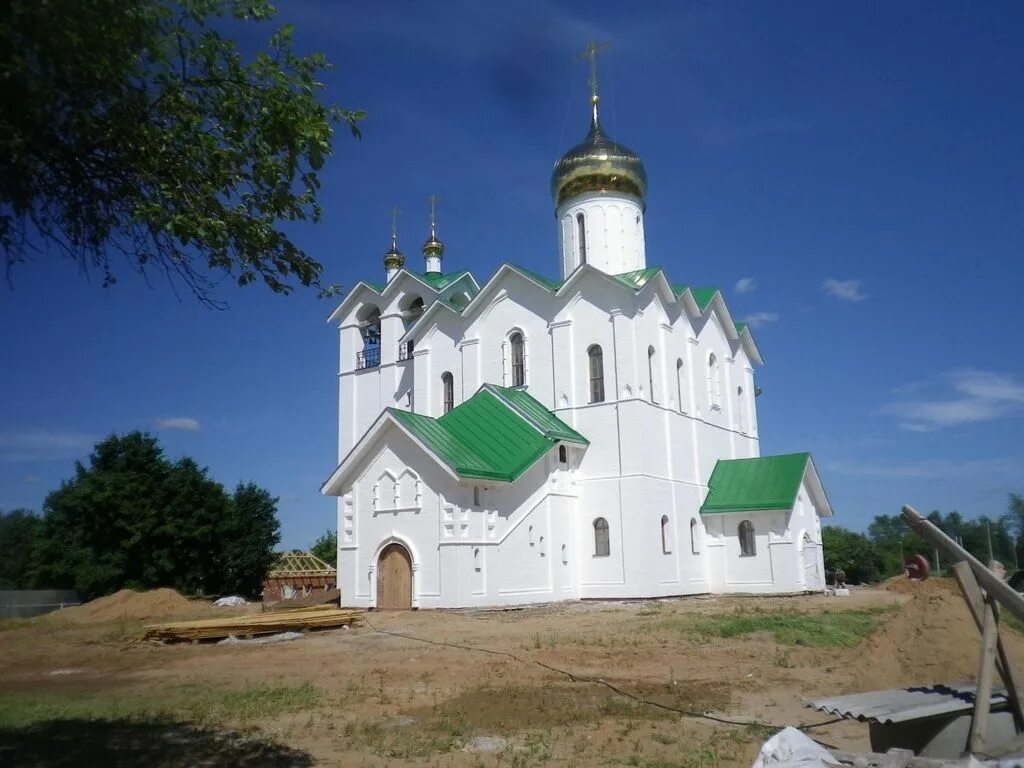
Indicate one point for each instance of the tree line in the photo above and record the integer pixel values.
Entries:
(134, 518)
(880, 552)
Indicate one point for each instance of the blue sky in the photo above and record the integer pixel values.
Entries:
(852, 177)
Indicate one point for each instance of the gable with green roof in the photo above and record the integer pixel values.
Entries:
(497, 434)
(763, 483)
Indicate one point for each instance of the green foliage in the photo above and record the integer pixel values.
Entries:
(133, 518)
(19, 533)
(838, 629)
(852, 552)
(134, 127)
(326, 547)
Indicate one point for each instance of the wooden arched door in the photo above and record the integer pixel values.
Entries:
(394, 579)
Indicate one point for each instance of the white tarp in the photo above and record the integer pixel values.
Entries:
(789, 748)
(229, 602)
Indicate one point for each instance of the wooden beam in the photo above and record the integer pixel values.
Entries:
(976, 605)
(992, 584)
(986, 668)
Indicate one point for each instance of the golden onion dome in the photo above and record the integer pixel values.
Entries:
(394, 259)
(598, 164)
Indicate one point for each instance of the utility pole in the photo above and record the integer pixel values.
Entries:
(988, 534)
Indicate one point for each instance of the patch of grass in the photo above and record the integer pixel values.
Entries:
(6, 624)
(830, 629)
(194, 702)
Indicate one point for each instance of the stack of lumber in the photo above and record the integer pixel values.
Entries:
(269, 623)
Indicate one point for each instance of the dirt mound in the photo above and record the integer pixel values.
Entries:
(905, 586)
(128, 605)
(931, 639)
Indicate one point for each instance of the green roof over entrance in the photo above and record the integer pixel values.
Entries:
(768, 482)
(495, 435)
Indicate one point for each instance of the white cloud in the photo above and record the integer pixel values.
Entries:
(183, 423)
(43, 445)
(974, 397)
(745, 285)
(845, 290)
(760, 319)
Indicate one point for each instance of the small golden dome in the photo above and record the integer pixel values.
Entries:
(598, 164)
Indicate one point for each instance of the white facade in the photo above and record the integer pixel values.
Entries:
(678, 396)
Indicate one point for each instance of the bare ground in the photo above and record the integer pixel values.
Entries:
(474, 688)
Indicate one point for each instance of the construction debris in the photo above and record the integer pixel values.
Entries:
(270, 623)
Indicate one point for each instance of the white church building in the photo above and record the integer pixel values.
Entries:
(532, 440)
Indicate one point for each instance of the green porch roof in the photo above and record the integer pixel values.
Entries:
(703, 296)
(638, 278)
(743, 485)
(491, 436)
(551, 285)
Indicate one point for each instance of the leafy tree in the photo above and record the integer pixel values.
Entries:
(134, 128)
(251, 532)
(326, 548)
(133, 518)
(19, 533)
(852, 552)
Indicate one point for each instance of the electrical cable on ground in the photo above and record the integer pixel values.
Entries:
(573, 677)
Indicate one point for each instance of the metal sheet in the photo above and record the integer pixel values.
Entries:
(907, 704)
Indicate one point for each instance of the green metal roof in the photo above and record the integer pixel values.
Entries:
(550, 425)
(491, 436)
(439, 281)
(740, 328)
(638, 278)
(679, 289)
(551, 285)
(768, 482)
(703, 296)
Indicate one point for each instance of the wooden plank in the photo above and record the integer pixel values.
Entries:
(986, 668)
(272, 622)
(976, 605)
(991, 583)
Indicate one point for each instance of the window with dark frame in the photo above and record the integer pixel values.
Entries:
(581, 228)
(563, 455)
(665, 546)
(596, 357)
(748, 545)
(448, 389)
(518, 359)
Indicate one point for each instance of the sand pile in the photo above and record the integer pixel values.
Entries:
(128, 605)
(931, 639)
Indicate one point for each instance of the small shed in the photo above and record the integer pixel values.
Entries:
(298, 574)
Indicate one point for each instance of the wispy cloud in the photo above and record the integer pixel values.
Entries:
(845, 290)
(972, 396)
(181, 422)
(746, 285)
(1007, 466)
(43, 445)
(32, 479)
(760, 319)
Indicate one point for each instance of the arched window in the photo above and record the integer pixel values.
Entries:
(596, 357)
(650, 372)
(565, 555)
(748, 546)
(666, 548)
(518, 354)
(447, 391)
(476, 559)
(540, 546)
(476, 495)
(694, 548)
(714, 382)
(563, 455)
(679, 383)
(581, 230)
(369, 329)
(601, 545)
(741, 409)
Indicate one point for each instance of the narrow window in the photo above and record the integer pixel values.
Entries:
(713, 380)
(529, 532)
(408, 400)
(748, 547)
(476, 495)
(679, 383)
(563, 456)
(565, 555)
(541, 546)
(741, 409)
(601, 546)
(650, 372)
(476, 560)
(448, 391)
(596, 357)
(518, 359)
(666, 548)
(581, 229)
(694, 548)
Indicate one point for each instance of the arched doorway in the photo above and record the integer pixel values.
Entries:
(394, 579)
